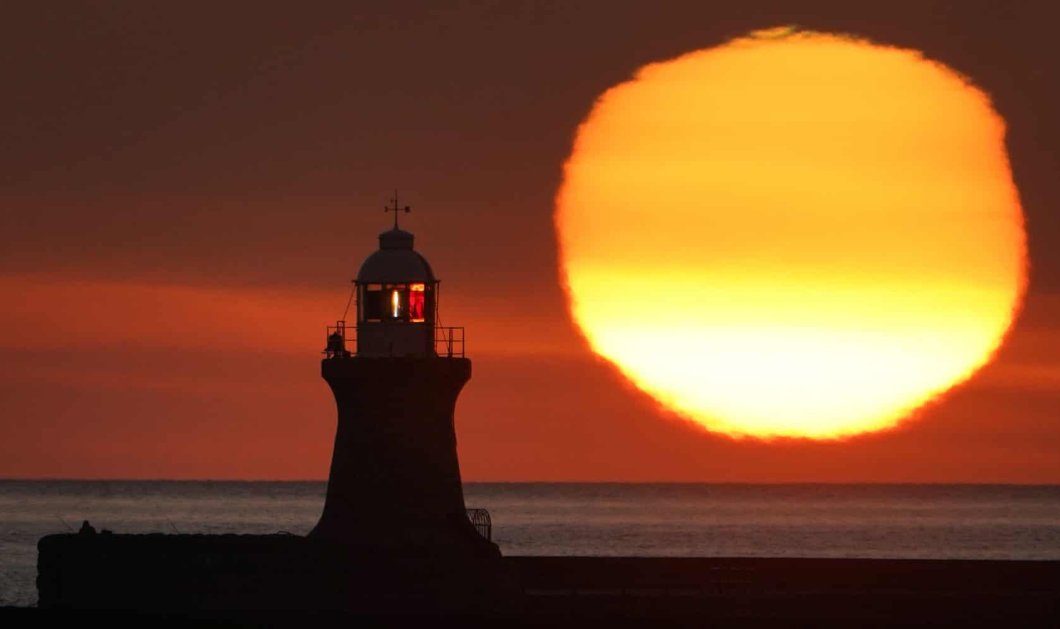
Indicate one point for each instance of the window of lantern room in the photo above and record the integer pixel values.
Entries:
(397, 303)
(417, 303)
(372, 302)
(394, 302)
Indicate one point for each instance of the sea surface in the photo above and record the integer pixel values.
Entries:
(695, 520)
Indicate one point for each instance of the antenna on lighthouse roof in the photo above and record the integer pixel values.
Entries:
(395, 208)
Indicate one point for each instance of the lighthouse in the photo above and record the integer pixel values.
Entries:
(394, 536)
(394, 484)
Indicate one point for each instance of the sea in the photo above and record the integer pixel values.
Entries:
(609, 519)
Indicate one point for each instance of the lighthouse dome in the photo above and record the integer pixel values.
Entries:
(395, 261)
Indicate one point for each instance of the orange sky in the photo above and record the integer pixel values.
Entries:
(181, 216)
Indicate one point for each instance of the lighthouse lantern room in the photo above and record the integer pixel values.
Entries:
(396, 300)
(397, 304)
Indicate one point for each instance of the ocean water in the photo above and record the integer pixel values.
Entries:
(884, 521)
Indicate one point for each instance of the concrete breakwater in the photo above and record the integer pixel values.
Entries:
(285, 576)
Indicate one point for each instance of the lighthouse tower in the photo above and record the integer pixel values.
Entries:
(395, 479)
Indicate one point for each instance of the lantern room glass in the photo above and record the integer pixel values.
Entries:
(393, 303)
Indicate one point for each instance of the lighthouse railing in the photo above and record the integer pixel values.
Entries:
(449, 341)
(342, 341)
(480, 519)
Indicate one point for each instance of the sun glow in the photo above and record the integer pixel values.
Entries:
(794, 234)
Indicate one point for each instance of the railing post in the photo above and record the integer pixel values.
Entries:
(452, 340)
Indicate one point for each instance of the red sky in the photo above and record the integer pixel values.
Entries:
(186, 192)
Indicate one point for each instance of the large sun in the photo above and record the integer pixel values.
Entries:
(794, 234)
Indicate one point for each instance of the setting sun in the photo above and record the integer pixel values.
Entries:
(794, 234)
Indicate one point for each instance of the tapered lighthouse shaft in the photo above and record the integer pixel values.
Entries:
(395, 473)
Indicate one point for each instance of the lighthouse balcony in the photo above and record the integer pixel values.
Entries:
(449, 341)
(383, 340)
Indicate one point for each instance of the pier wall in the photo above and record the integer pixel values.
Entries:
(292, 576)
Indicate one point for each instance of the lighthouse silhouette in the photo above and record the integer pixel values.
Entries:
(394, 485)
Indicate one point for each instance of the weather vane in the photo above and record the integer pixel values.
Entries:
(395, 208)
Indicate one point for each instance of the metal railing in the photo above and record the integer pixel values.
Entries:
(338, 336)
(342, 341)
(480, 519)
(449, 342)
